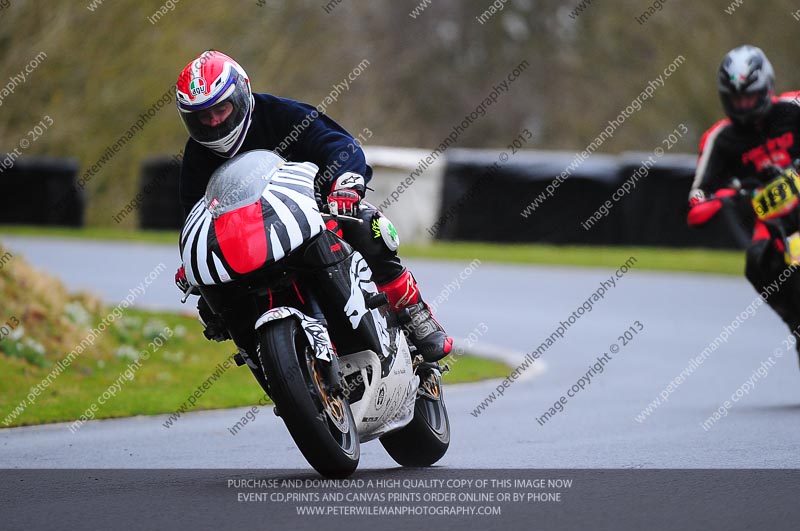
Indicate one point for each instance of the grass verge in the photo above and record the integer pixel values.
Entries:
(161, 384)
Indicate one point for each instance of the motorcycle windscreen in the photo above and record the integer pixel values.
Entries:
(240, 181)
(241, 232)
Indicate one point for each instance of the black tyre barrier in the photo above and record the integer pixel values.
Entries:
(41, 191)
(160, 205)
(484, 199)
(655, 212)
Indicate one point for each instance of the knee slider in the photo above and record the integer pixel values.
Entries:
(383, 229)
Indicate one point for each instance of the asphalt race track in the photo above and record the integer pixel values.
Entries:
(519, 307)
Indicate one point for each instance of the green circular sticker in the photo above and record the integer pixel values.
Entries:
(389, 233)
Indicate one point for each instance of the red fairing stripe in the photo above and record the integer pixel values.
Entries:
(242, 238)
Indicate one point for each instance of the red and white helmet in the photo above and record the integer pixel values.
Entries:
(214, 79)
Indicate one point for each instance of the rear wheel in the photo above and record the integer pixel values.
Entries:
(320, 423)
(427, 437)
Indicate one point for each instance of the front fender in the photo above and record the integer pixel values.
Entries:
(315, 331)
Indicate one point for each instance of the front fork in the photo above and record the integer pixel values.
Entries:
(324, 353)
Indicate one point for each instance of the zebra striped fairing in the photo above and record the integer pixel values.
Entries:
(257, 209)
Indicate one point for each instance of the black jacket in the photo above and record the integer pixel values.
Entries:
(294, 130)
(730, 150)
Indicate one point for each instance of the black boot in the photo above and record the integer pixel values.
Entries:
(426, 334)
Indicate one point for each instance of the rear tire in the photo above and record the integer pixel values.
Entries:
(322, 428)
(426, 438)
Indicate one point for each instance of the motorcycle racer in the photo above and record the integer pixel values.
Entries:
(224, 117)
(760, 136)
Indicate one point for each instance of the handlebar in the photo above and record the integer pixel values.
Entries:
(748, 184)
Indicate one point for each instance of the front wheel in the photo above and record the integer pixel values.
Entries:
(426, 438)
(321, 424)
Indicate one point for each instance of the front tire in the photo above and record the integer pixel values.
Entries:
(426, 438)
(321, 424)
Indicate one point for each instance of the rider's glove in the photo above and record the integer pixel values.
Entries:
(346, 194)
(180, 280)
(701, 210)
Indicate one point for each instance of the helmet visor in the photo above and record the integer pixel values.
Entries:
(218, 121)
